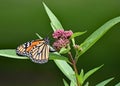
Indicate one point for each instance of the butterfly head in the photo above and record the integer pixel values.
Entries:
(46, 40)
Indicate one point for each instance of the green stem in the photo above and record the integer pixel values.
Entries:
(74, 67)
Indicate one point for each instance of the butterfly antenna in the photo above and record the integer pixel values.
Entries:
(49, 34)
(45, 37)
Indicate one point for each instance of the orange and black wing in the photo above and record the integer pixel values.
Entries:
(21, 50)
(39, 53)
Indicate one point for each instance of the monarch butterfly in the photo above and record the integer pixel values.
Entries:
(36, 50)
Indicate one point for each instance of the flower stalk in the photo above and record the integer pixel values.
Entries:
(74, 67)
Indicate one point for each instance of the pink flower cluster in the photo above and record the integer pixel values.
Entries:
(62, 34)
(61, 38)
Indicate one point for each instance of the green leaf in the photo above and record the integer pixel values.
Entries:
(76, 34)
(82, 73)
(86, 84)
(62, 65)
(73, 84)
(73, 41)
(66, 69)
(38, 36)
(11, 53)
(53, 27)
(65, 82)
(64, 50)
(95, 36)
(89, 73)
(103, 83)
(57, 57)
(81, 76)
(54, 21)
(118, 84)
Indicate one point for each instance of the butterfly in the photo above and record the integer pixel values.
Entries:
(37, 50)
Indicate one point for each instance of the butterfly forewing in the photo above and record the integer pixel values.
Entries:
(21, 50)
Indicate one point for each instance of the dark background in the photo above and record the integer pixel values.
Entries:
(21, 19)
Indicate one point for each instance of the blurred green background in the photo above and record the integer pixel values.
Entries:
(21, 19)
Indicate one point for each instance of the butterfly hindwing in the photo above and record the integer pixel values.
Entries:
(39, 54)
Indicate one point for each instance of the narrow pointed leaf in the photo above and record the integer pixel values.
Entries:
(81, 73)
(118, 84)
(54, 21)
(39, 36)
(64, 50)
(73, 84)
(95, 36)
(76, 34)
(104, 83)
(81, 76)
(66, 69)
(89, 73)
(53, 27)
(65, 82)
(62, 65)
(58, 57)
(11, 53)
(87, 84)
(73, 41)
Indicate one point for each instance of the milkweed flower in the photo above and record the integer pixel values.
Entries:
(62, 34)
(61, 38)
(58, 44)
(58, 33)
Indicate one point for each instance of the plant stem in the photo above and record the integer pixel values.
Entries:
(74, 67)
